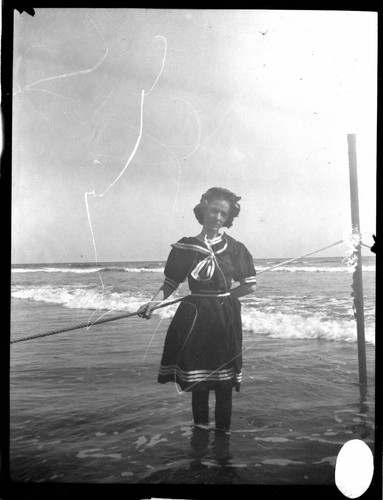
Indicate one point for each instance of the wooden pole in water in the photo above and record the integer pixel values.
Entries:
(357, 276)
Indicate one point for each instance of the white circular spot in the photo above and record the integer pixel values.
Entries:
(354, 468)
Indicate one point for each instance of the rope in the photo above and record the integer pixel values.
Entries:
(128, 315)
(86, 325)
(301, 257)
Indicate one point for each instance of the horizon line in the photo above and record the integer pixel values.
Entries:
(98, 263)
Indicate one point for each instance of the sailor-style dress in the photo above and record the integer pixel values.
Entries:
(203, 344)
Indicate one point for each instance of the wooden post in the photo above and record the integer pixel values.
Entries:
(357, 276)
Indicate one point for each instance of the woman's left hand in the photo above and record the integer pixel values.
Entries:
(145, 311)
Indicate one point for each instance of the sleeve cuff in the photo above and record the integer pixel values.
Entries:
(249, 280)
(171, 283)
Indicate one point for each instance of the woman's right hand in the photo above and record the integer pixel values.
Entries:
(145, 311)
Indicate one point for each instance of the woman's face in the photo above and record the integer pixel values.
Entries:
(216, 214)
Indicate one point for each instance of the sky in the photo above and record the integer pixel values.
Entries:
(122, 118)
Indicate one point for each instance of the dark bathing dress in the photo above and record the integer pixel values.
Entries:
(203, 344)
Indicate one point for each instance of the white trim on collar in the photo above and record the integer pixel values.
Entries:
(198, 248)
(213, 241)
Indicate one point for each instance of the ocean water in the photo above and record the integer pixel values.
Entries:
(86, 407)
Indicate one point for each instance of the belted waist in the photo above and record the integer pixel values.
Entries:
(211, 294)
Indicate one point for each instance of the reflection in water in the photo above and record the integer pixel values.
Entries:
(221, 447)
(363, 393)
(200, 449)
(364, 427)
(199, 442)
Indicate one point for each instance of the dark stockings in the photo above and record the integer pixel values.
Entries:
(223, 407)
(200, 407)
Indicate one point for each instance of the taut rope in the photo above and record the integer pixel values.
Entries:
(128, 315)
(301, 257)
(86, 325)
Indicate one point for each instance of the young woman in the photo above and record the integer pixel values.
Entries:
(203, 345)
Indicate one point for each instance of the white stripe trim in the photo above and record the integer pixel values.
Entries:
(210, 294)
(173, 284)
(200, 375)
(194, 372)
(214, 241)
(250, 279)
(191, 246)
(222, 249)
(203, 378)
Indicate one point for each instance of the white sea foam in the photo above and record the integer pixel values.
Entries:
(281, 462)
(79, 298)
(274, 439)
(291, 322)
(94, 453)
(315, 269)
(144, 269)
(87, 270)
(78, 270)
(295, 326)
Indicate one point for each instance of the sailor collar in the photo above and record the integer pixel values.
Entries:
(204, 269)
(207, 245)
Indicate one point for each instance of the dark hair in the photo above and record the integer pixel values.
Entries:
(217, 193)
